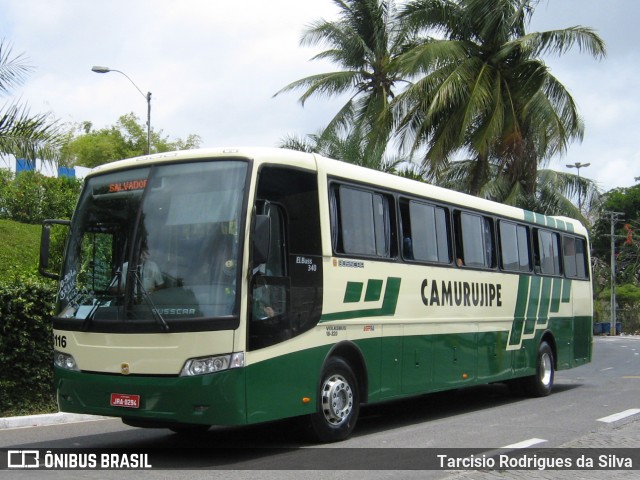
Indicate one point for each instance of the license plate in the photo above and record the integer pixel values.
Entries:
(125, 400)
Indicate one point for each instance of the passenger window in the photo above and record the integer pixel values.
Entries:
(574, 257)
(360, 222)
(569, 257)
(582, 270)
(514, 247)
(547, 250)
(474, 241)
(425, 234)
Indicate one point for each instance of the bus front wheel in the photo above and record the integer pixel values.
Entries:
(338, 403)
(540, 384)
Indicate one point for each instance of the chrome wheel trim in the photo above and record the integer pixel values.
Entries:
(546, 369)
(337, 400)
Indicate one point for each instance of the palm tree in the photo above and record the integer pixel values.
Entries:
(365, 43)
(484, 90)
(553, 190)
(22, 134)
(349, 148)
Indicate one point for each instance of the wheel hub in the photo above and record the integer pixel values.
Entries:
(337, 400)
(546, 369)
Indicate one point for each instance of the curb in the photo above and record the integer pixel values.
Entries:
(46, 419)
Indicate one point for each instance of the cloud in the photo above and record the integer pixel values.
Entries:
(213, 66)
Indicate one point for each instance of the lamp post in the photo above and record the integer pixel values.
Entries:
(147, 97)
(578, 166)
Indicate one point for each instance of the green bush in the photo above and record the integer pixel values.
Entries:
(628, 301)
(27, 301)
(60, 197)
(26, 347)
(20, 247)
(6, 178)
(30, 197)
(25, 197)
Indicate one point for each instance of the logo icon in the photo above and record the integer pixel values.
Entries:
(23, 459)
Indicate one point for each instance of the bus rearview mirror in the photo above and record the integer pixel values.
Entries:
(261, 239)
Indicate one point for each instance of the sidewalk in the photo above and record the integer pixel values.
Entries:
(46, 419)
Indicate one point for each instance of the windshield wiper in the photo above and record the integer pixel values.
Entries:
(89, 318)
(154, 310)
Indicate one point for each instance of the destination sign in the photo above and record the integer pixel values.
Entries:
(127, 186)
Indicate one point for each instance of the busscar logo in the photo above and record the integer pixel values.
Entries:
(23, 459)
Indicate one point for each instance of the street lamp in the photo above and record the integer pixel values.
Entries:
(147, 97)
(578, 166)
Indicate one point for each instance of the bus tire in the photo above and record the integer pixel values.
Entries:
(540, 384)
(338, 403)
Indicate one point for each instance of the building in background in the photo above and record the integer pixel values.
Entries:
(46, 168)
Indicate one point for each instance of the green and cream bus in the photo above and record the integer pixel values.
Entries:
(236, 286)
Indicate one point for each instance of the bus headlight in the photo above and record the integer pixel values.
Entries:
(213, 364)
(64, 360)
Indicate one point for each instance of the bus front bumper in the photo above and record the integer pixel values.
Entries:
(214, 399)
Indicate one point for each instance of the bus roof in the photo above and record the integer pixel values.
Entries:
(350, 172)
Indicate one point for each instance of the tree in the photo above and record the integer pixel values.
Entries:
(127, 138)
(552, 193)
(350, 148)
(626, 202)
(365, 42)
(22, 134)
(484, 89)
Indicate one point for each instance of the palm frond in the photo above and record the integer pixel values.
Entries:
(22, 134)
(29, 136)
(13, 69)
(329, 84)
(560, 41)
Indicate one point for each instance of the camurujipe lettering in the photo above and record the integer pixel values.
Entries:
(446, 293)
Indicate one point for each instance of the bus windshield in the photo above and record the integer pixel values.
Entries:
(156, 248)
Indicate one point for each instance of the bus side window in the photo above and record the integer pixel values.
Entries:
(425, 232)
(406, 232)
(547, 252)
(569, 257)
(574, 257)
(361, 222)
(514, 247)
(582, 268)
(475, 246)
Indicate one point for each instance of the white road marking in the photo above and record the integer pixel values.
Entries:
(619, 416)
(526, 443)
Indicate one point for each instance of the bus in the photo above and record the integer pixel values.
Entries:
(237, 286)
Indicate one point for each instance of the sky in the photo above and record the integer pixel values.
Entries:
(213, 66)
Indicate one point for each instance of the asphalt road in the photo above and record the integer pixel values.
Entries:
(484, 418)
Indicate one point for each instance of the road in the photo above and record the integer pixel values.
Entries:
(484, 418)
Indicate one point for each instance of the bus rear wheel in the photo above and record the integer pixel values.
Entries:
(540, 384)
(338, 403)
